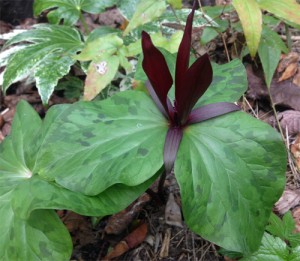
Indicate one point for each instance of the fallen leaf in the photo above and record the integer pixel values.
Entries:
(286, 60)
(173, 215)
(120, 221)
(288, 200)
(296, 79)
(289, 72)
(131, 241)
(295, 150)
(289, 120)
(296, 216)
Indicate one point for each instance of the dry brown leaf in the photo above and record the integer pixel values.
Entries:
(289, 72)
(289, 120)
(173, 215)
(131, 241)
(120, 221)
(296, 79)
(288, 200)
(286, 60)
(296, 216)
(295, 149)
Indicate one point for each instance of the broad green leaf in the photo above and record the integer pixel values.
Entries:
(287, 9)
(110, 141)
(146, 11)
(48, 55)
(273, 37)
(28, 229)
(69, 11)
(101, 72)
(128, 7)
(230, 170)
(251, 19)
(228, 85)
(177, 4)
(108, 44)
(269, 54)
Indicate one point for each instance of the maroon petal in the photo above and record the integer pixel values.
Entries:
(196, 81)
(210, 111)
(156, 68)
(172, 142)
(183, 56)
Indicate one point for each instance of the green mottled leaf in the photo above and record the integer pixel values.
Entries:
(29, 231)
(128, 7)
(230, 170)
(228, 85)
(146, 11)
(100, 73)
(251, 19)
(48, 55)
(69, 11)
(110, 141)
(287, 9)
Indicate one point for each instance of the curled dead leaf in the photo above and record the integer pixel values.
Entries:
(286, 60)
(295, 150)
(289, 72)
(131, 241)
(296, 216)
(296, 79)
(289, 120)
(288, 200)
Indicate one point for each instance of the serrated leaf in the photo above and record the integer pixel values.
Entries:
(251, 19)
(100, 73)
(146, 11)
(234, 170)
(288, 9)
(109, 145)
(269, 54)
(69, 11)
(29, 231)
(106, 45)
(48, 55)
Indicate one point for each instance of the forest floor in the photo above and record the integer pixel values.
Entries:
(167, 237)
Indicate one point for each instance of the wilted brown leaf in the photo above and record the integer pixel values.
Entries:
(296, 79)
(286, 60)
(289, 72)
(295, 149)
(288, 200)
(135, 238)
(296, 216)
(120, 221)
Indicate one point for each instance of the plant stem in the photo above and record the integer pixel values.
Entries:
(288, 37)
(84, 24)
(161, 185)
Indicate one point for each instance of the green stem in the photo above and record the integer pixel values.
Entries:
(85, 26)
(288, 37)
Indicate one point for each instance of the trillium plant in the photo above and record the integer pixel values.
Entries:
(95, 158)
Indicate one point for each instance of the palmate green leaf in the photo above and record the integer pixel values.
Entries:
(29, 229)
(48, 55)
(230, 172)
(110, 141)
(251, 19)
(69, 11)
(146, 11)
(288, 9)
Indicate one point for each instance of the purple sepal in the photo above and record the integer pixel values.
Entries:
(210, 111)
(172, 142)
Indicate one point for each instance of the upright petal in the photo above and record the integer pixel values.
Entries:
(195, 82)
(156, 68)
(183, 56)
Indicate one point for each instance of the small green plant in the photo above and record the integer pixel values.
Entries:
(95, 158)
